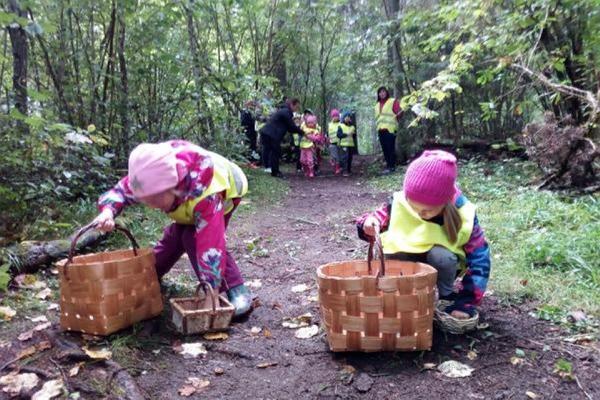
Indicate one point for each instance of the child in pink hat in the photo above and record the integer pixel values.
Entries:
(431, 221)
(199, 190)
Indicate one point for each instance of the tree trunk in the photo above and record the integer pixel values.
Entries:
(124, 108)
(277, 58)
(20, 46)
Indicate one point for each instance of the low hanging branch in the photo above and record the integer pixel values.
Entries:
(589, 98)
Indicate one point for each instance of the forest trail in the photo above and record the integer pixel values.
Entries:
(280, 246)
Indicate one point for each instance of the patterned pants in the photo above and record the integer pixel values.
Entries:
(205, 247)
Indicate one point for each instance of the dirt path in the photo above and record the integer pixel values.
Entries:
(312, 226)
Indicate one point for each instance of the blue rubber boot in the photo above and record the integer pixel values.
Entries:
(241, 298)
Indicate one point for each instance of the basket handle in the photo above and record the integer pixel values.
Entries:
(208, 290)
(91, 226)
(376, 242)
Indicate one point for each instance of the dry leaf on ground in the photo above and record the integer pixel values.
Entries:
(44, 294)
(14, 382)
(25, 335)
(98, 354)
(297, 322)
(308, 332)
(50, 390)
(7, 313)
(267, 364)
(300, 288)
(216, 336)
(454, 369)
(192, 350)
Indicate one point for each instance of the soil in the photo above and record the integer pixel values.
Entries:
(312, 226)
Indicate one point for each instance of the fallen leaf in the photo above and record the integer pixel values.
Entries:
(514, 360)
(50, 390)
(314, 299)
(454, 369)
(523, 282)
(255, 330)
(531, 395)
(198, 383)
(216, 336)
(254, 283)
(576, 316)
(186, 390)
(429, 366)
(43, 326)
(44, 294)
(26, 352)
(520, 353)
(14, 383)
(29, 281)
(348, 369)
(192, 350)
(297, 322)
(219, 371)
(308, 332)
(6, 313)
(267, 333)
(5, 343)
(41, 318)
(53, 306)
(98, 354)
(75, 370)
(25, 335)
(581, 338)
(471, 355)
(267, 364)
(300, 288)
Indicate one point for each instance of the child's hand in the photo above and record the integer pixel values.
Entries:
(460, 314)
(105, 221)
(370, 226)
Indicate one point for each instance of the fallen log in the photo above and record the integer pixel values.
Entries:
(31, 256)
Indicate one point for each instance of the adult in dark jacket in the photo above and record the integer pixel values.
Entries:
(271, 135)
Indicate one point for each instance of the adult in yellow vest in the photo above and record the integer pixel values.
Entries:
(431, 221)
(346, 134)
(332, 131)
(199, 190)
(387, 114)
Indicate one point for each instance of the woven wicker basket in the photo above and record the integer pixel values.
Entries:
(389, 311)
(105, 292)
(206, 312)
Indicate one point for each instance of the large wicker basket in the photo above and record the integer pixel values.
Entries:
(388, 311)
(105, 292)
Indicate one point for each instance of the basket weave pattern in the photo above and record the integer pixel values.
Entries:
(367, 313)
(105, 292)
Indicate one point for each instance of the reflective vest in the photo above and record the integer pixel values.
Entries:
(386, 119)
(332, 132)
(227, 178)
(408, 233)
(348, 141)
(305, 143)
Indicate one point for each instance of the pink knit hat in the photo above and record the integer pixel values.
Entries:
(335, 113)
(431, 178)
(152, 169)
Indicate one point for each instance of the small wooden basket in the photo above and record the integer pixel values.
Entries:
(390, 311)
(206, 312)
(103, 293)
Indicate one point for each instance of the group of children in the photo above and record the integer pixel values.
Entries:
(429, 220)
(339, 139)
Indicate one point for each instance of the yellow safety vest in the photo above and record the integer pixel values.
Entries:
(408, 233)
(305, 143)
(348, 141)
(332, 131)
(227, 177)
(386, 119)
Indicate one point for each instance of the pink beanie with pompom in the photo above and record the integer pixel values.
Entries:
(152, 169)
(430, 179)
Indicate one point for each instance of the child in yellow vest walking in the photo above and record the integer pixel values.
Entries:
(431, 221)
(199, 190)
(332, 130)
(312, 136)
(346, 133)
